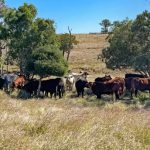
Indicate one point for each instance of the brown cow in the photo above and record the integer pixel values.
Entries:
(19, 82)
(128, 79)
(114, 87)
(141, 84)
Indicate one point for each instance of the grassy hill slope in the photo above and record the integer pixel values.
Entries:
(84, 55)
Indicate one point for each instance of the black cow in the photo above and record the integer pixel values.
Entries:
(2, 82)
(132, 75)
(80, 85)
(31, 87)
(103, 79)
(53, 86)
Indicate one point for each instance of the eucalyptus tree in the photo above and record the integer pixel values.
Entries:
(130, 44)
(105, 23)
(26, 33)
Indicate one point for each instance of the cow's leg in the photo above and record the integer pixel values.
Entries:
(117, 95)
(46, 93)
(55, 94)
(51, 94)
(82, 93)
(136, 92)
(59, 92)
(149, 93)
(78, 94)
(114, 96)
(131, 91)
(72, 86)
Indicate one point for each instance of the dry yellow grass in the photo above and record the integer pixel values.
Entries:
(84, 55)
(69, 124)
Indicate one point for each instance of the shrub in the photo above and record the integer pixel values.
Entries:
(147, 104)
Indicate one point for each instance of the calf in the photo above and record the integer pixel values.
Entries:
(81, 75)
(70, 80)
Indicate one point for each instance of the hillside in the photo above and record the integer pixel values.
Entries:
(84, 55)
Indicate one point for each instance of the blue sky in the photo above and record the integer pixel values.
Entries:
(83, 16)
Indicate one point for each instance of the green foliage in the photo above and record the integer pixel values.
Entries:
(142, 97)
(147, 104)
(2, 6)
(43, 33)
(141, 42)
(47, 60)
(119, 53)
(67, 42)
(17, 29)
(25, 33)
(105, 25)
(130, 44)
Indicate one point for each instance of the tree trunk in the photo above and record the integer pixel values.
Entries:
(68, 55)
(69, 44)
(39, 87)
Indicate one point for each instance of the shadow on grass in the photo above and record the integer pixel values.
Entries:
(91, 100)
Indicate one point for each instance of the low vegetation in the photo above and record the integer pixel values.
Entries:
(72, 123)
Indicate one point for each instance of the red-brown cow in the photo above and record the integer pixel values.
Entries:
(140, 84)
(114, 87)
(19, 82)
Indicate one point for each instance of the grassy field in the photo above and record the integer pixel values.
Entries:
(72, 124)
(75, 123)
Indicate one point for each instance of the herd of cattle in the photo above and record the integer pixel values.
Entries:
(101, 85)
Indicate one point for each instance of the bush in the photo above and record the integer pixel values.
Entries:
(142, 98)
(147, 104)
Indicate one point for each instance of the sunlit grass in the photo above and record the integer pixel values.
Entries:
(72, 123)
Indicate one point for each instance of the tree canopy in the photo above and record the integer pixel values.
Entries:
(47, 60)
(130, 44)
(67, 41)
(24, 33)
(105, 23)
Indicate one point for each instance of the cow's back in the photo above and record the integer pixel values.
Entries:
(140, 84)
(132, 75)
